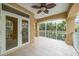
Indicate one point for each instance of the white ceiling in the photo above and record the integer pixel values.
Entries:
(59, 8)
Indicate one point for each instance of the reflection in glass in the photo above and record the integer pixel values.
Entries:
(24, 31)
(11, 32)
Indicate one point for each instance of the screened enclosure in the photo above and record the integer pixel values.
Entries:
(55, 29)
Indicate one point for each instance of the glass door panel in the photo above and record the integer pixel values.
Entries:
(11, 32)
(24, 31)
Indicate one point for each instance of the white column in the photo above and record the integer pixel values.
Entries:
(3, 33)
(19, 31)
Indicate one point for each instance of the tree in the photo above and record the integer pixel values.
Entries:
(51, 26)
(42, 26)
(61, 26)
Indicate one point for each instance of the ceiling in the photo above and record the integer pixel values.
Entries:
(59, 8)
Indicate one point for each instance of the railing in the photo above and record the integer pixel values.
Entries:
(59, 35)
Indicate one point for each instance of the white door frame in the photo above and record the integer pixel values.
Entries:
(3, 44)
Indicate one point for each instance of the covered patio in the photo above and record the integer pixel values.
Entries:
(23, 39)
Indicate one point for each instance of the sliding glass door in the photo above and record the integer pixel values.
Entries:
(15, 31)
(24, 31)
(53, 29)
(11, 32)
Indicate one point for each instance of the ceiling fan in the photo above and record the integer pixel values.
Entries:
(44, 7)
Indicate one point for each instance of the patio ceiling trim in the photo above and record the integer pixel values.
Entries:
(57, 16)
(19, 8)
(12, 10)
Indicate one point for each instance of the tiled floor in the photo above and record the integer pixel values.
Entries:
(45, 47)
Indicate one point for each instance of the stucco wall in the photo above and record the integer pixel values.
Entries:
(32, 28)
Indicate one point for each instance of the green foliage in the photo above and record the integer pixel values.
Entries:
(77, 27)
(61, 26)
(51, 26)
(42, 26)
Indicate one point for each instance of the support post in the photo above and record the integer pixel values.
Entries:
(32, 28)
(70, 29)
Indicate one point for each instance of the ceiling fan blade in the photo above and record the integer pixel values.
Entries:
(51, 5)
(39, 12)
(43, 4)
(37, 7)
(46, 11)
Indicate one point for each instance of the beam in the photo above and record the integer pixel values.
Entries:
(57, 16)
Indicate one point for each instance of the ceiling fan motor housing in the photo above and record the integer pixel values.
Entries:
(43, 8)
